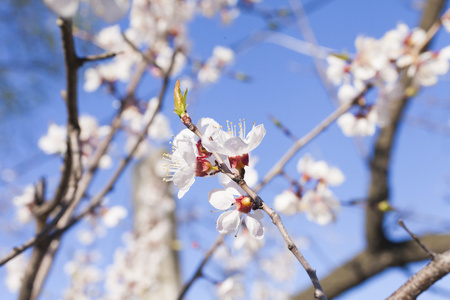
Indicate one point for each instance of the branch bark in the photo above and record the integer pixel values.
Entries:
(368, 264)
(426, 277)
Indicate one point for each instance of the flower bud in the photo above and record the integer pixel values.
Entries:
(179, 100)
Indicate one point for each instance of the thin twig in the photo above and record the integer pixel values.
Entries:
(416, 238)
(198, 271)
(278, 166)
(97, 57)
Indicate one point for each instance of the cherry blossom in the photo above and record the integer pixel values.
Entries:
(319, 170)
(24, 203)
(15, 272)
(211, 70)
(232, 143)
(182, 161)
(188, 160)
(358, 125)
(113, 215)
(429, 66)
(109, 10)
(229, 221)
(230, 289)
(287, 203)
(320, 206)
(54, 142)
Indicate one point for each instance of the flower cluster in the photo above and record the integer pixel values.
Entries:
(318, 203)
(210, 71)
(381, 63)
(55, 141)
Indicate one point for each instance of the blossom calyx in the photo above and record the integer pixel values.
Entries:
(244, 204)
(205, 168)
(179, 100)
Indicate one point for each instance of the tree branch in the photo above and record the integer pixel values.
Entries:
(367, 264)
(198, 271)
(426, 277)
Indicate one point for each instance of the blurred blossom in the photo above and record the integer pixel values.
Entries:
(352, 125)
(319, 170)
(15, 270)
(211, 70)
(109, 10)
(55, 140)
(114, 215)
(24, 203)
(231, 289)
(320, 206)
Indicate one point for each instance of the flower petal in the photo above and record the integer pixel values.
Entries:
(64, 8)
(228, 222)
(220, 199)
(254, 224)
(183, 179)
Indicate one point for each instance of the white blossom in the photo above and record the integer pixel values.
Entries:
(113, 215)
(232, 142)
(55, 140)
(229, 221)
(182, 162)
(352, 125)
(230, 289)
(15, 270)
(109, 10)
(287, 203)
(319, 170)
(320, 206)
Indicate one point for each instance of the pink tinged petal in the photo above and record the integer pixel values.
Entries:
(254, 224)
(64, 8)
(184, 178)
(220, 199)
(228, 222)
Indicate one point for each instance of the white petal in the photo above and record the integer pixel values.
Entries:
(220, 199)
(110, 10)
(231, 186)
(286, 203)
(254, 224)
(255, 136)
(228, 222)
(203, 123)
(184, 178)
(64, 8)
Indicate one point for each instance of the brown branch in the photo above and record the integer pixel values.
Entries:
(97, 57)
(73, 162)
(318, 291)
(198, 272)
(416, 238)
(425, 278)
(367, 264)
